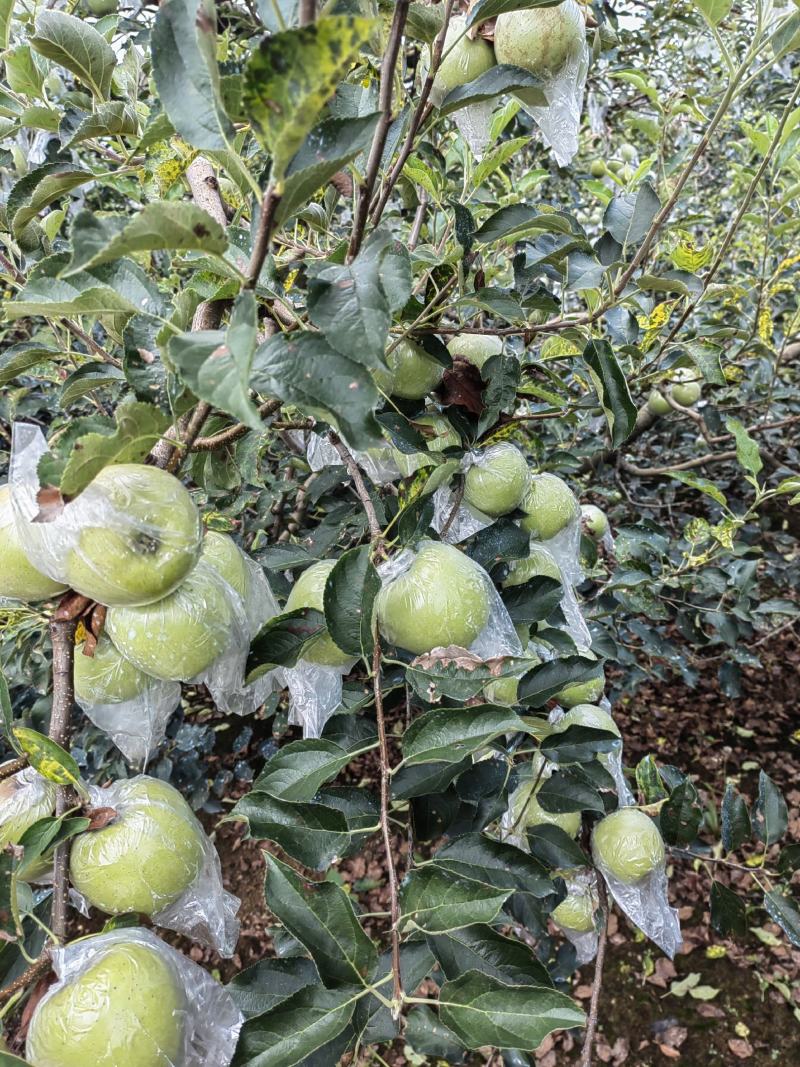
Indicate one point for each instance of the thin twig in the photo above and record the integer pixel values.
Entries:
(62, 636)
(266, 224)
(233, 433)
(689, 464)
(13, 767)
(375, 532)
(594, 1004)
(458, 496)
(36, 971)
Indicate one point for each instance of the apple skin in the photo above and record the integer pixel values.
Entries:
(502, 691)
(550, 505)
(125, 1010)
(628, 845)
(463, 60)
(598, 168)
(442, 599)
(19, 580)
(581, 692)
(439, 435)
(595, 521)
(541, 40)
(146, 858)
(658, 403)
(412, 372)
(535, 815)
(539, 564)
(148, 551)
(106, 677)
(497, 483)
(686, 393)
(181, 635)
(222, 553)
(38, 804)
(309, 592)
(575, 912)
(477, 348)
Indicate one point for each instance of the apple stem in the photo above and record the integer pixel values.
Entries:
(591, 1025)
(62, 635)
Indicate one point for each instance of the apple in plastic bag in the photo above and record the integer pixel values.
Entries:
(140, 540)
(628, 845)
(588, 692)
(497, 483)
(41, 797)
(181, 635)
(19, 579)
(146, 857)
(127, 1009)
(539, 564)
(550, 506)
(106, 677)
(309, 592)
(476, 348)
(439, 435)
(541, 40)
(594, 521)
(463, 60)
(412, 373)
(442, 599)
(533, 814)
(575, 912)
(223, 554)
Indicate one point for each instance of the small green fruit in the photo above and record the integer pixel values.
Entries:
(658, 403)
(442, 599)
(615, 165)
(628, 845)
(575, 912)
(498, 481)
(106, 677)
(25, 798)
(627, 152)
(223, 554)
(463, 60)
(581, 692)
(146, 858)
(502, 691)
(477, 348)
(412, 372)
(686, 393)
(550, 504)
(126, 1009)
(309, 592)
(535, 815)
(594, 521)
(102, 7)
(539, 564)
(19, 580)
(598, 168)
(541, 40)
(141, 540)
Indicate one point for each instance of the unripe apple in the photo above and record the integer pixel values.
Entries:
(541, 40)
(497, 482)
(438, 433)
(539, 564)
(106, 677)
(627, 152)
(658, 403)
(686, 391)
(535, 815)
(597, 168)
(594, 521)
(442, 599)
(575, 912)
(550, 504)
(502, 691)
(463, 60)
(477, 348)
(181, 635)
(25, 798)
(127, 1009)
(146, 857)
(628, 845)
(309, 592)
(412, 372)
(19, 580)
(588, 692)
(141, 539)
(222, 553)
(102, 7)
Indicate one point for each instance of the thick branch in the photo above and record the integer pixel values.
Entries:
(232, 433)
(597, 985)
(36, 971)
(307, 11)
(690, 464)
(62, 635)
(266, 224)
(13, 767)
(205, 189)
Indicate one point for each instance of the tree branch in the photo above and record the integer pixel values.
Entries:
(36, 971)
(375, 531)
(233, 433)
(307, 12)
(62, 635)
(690, 464)
(594, 1004)
(266, 223)
(8, 770)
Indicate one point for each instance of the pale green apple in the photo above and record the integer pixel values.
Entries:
(529, 811)
(587, 692)
(476, 348)
(627, 844)
(550, 506)
(140, 540)
(19, 579)
(498, 481)
(541, 40)
(146, 857)
(127, 1009)
(594, 521)
(686, 393)
(442, 599)
(539, 564)
(180, 636)
(412, 372)
(309, 592)
(106, 677)
(25, 798)
(575, 912)
(502, 691)
(658, 403)
(223, 554)
(463, 60)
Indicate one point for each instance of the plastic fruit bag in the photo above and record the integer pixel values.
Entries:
(575, 916)
(25, 797)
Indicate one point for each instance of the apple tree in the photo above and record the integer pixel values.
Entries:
(401, 384)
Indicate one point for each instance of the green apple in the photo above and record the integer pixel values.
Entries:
(477, 348)
(442, 599)
(181, 635)
(25, 798)
(140, 540)
(309, 592)
(126, 1009)
(594, 521)
(541, 40)
(106, 677)
(223, 554)
(19, 580)
(463, 60)
(412, 372)
(550, 504)
(497, 483)
(627, 844)
(658, 403)
(539, 564)
(502, 691)
(575, 912)
(627, 152)
(438, 433)
(587, 692)
(686, 391)
(102, 7)
(597, 168)
(146, 857)
(528, 809)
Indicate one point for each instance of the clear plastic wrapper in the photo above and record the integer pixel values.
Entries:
(154, 857)
(598, 716)
(130, 538)
(125, 997)
(315, 692)
(501, 493)
(377, 463)
(575, 916)
(467, 521)
(524, 809)
(628, 851)
(435, 596)
(474, 123)
(19, 579)
(25, 797)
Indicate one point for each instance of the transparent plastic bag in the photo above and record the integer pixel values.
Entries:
(434, 596)
(154, 857)
(524, 809)
(315, 692)
(378, 463)
(467, 521)
(503, 493)
(25, 797)
(474, 123)
(130, 538)
(19, 579)
(587, 715)
(126, 996)
(575, 916)
(628, 851)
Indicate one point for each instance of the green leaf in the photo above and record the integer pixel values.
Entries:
(714, 11)
(728, 912)
(48, 758)
(770, 814)
(543, 682)
(612, 390)
(437, 901)
(450, 734)
(578, 744)
(480, 948)
(6, 12)
(517, 219)
(281, 641)
(489, 9)
(499, 79)
(481, 858)
(41, 187)
(681, 815)
(139, 427)
(296, 772)
(25, 72)
(746, 447)
(350, 593)
(321, 919)
(163, 224)
(76, 45)
(184, 54)
(629, 215)
(270, 982)
(554, 847)
(703, 485)
(115, 119)
(648, 780)
(484, 1011)
(289, 1033)
(783, 910)
(17, 359)
(311, 833)
(425, 1033)
(302, 368)
(120, 287)
(94, 375)
(736, 827)
(566, 792)
(291, 77)
(42, 837)
(707, 358)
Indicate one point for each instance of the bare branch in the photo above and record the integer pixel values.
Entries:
(8, 770)
(690, 464)
(62, 635)
(232, 433)
(597, 985)
(36, 971)
(361, 488)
